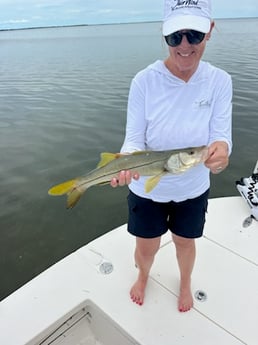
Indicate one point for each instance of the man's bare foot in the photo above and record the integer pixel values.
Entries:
(138, 290)
(185, 300)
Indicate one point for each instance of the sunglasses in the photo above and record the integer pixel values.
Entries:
(193, 37)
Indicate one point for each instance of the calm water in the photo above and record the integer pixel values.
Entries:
(63, 101)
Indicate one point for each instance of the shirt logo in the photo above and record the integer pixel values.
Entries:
(203, 103)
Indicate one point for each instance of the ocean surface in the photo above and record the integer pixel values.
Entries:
(63, 97)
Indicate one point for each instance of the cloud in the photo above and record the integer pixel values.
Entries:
(15, 21)
(31, 13)
(74, 10)
(232, 8)
(66, 12)
(107, 11)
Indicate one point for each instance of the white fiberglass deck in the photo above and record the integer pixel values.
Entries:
(75, 303)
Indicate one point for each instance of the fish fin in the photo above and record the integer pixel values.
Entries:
(152, 182)
(73, 197)
(107, 157)
(62, 188)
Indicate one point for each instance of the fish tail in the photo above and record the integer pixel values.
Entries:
(62, 188)
(73, 197)
(71, 189)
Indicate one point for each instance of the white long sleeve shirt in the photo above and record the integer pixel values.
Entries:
(165, 112)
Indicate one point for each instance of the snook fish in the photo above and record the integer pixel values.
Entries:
(147, 163)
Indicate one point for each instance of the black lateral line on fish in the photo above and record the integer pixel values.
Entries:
(116, 172)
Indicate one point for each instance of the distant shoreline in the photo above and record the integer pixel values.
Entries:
(81, 25)
(74, 25)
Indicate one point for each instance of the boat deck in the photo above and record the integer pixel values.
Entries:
(84, 299)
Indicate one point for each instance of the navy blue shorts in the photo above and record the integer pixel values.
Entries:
(149, 219)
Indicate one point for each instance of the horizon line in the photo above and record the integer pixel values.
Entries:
(115, 23)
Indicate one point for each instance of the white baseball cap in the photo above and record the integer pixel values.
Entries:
(186, 14)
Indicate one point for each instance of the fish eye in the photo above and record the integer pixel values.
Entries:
(191, 152)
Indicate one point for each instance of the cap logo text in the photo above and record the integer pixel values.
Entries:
(185, 3)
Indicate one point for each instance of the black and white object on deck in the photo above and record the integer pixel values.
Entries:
(248, 188)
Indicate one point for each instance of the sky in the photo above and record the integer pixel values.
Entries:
(16, 14)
